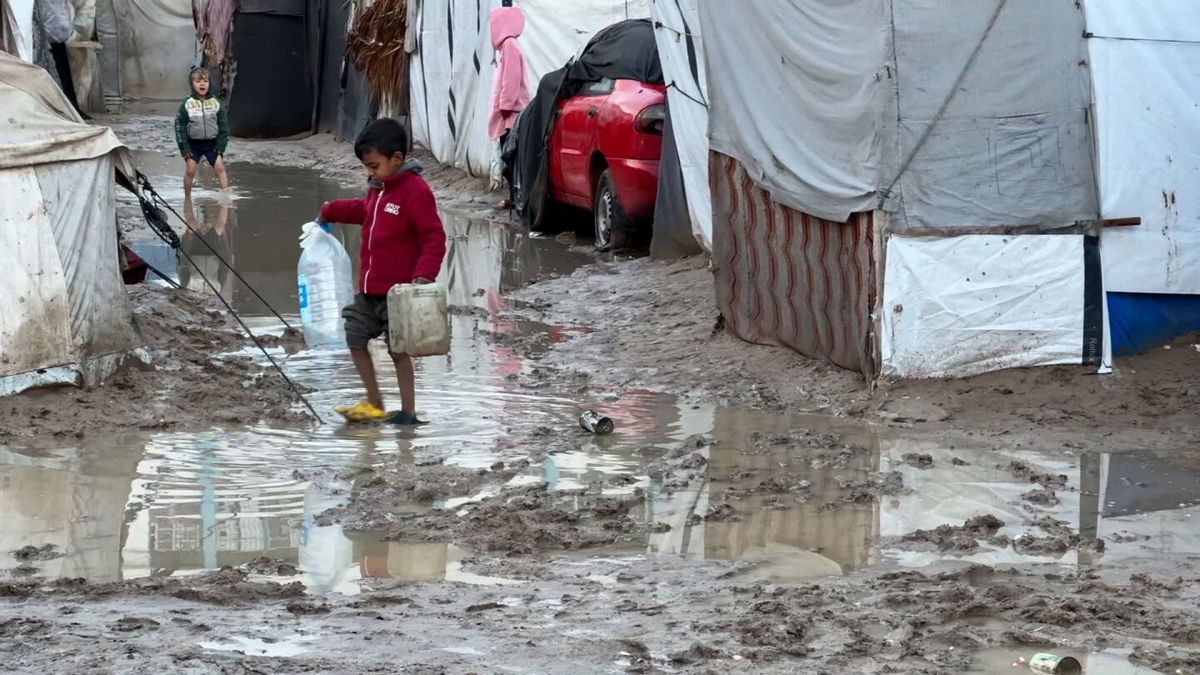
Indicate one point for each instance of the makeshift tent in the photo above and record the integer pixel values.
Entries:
(452, 67)
(276, 48)
(681, 51)
(16, 28)
(912, 188)
(282, 65)
(64, 316)
(157, 48)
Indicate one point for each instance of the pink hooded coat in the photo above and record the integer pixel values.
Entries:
(510, 93)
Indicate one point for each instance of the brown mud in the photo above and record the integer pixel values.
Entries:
(921, 527)
(677, 615)
(654, 324)
(184, 386)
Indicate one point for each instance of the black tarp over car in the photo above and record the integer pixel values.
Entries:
(622, 51)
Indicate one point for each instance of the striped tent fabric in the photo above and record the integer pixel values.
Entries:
(787, 278)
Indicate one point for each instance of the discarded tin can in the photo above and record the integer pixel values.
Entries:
(1055, 665)
(596, 423)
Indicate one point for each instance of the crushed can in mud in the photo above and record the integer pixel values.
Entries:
(596, 423)
(1051, 664)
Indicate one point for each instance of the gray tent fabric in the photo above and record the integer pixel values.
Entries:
(802, 110)
(673, 236)
(355, 107)
(948, 115)
(107, 34)
(1012, 146)
(333, 55)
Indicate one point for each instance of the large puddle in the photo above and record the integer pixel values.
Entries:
(153, 503)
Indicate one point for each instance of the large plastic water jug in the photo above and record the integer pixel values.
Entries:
(418, 323)
(326, 286)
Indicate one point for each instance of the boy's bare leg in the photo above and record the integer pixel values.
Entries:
(189, 175)
(407, 380)
(222, 175)
(366, 372)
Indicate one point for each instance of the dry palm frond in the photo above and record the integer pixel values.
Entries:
(375, 44)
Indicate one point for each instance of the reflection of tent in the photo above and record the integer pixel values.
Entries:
(64, 316)
(845, 536)
(922, 190)
(72, 500)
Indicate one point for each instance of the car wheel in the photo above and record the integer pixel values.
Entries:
(610, 222)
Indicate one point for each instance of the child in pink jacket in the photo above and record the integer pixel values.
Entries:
(510, 93)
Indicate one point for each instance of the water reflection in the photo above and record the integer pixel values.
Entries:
(1108, 661)
(208, 240)
(256, 227)
(793, 535)
(131, 505)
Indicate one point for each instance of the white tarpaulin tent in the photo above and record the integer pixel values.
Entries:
(681, 50)
(452, 68)
(64, 316)
(158, 47)
(20, 14)
(1147, 93)
(970, 156)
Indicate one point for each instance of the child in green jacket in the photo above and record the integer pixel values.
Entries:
(202, 131)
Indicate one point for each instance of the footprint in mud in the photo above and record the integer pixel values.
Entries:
(47, 552)
(132, 624)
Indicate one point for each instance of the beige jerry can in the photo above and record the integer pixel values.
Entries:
(418, 323)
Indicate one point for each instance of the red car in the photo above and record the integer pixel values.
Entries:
(604, 154)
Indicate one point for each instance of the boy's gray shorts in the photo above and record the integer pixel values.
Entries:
(366, 319)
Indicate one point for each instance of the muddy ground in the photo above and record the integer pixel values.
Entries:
(654, 324)
(182, 386)
(823, 547)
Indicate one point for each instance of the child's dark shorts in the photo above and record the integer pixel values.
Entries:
(366, 319)
(202, 149)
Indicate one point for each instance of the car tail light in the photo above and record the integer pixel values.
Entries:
(651, 120)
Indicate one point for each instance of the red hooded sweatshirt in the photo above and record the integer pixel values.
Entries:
(402, 236)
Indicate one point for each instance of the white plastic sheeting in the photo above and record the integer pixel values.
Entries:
(949, 115)
(22, 14)
(158, 47)
(681, 50)
(39, 126)
(64, 307)
(960, 306)
(797, 91)
(452, 69)
(64, 302)
(1147, 88)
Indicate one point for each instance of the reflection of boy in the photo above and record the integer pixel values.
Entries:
(202, 130)
(205, 263)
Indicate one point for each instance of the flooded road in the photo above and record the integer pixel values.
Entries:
(143, 504)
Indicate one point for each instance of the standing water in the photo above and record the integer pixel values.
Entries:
(155, 502)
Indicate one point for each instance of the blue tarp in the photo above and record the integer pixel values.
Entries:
(1142, 321)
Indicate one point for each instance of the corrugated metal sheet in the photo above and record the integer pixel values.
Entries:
(787, 278)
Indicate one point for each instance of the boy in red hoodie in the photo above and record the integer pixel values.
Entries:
(402, 243)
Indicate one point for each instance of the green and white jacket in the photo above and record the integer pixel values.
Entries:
(201, 119)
